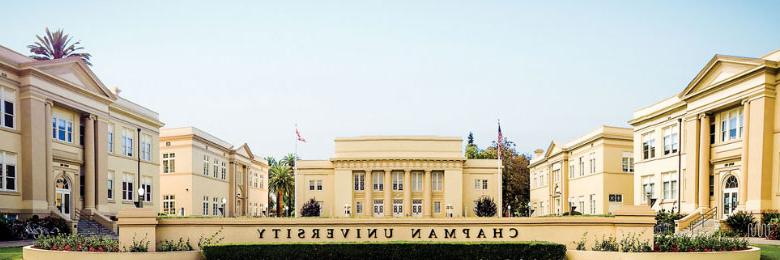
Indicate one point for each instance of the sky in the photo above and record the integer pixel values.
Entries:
(249, 71)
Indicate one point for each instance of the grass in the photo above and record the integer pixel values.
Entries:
(11, 253)
(769, 252)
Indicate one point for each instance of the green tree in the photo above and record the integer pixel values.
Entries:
(515, 174)
(57, 45)
(281, 181)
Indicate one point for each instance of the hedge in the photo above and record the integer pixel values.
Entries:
(388, 250)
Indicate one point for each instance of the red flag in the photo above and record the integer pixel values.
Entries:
(298, 135)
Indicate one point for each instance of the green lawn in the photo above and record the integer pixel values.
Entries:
(769, 252)
(11, 253)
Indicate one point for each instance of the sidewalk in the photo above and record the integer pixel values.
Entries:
(763, 241)
(16, 243)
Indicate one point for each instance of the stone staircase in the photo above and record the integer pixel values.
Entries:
(88, 227)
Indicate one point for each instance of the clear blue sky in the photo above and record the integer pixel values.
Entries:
(247, 72)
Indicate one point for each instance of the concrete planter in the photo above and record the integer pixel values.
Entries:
(30, 253)
(753, 253)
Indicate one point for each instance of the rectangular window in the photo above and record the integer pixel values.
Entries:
(671, 136)
(205, 206)
(379, 208)
(8, 171)
(592, 162)
(146, 148)
(417, 208)
(436, 207)
(110, 185)
(214, 206)
(127, 142)
(169, 162)
(398, 208)
(359, 181)
(7, 107)
(417, 181)
(378, 179)
(224, 171)
(206, 165)
(147, 185)
(110, 139)
(616, 198)
(628, 162)
(169, 204)
(62, 128)
(648, 146)
(398, 181)
(437, 181)
(127, 187)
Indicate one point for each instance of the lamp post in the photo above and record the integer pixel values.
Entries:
(223, 206)
(141, 193)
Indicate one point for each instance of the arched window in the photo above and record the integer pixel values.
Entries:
(731, 182)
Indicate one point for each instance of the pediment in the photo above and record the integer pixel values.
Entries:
(718, 70)
(245, 151)
(76, 73)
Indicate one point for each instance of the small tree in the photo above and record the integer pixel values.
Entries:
(311, 209)
(485, 207)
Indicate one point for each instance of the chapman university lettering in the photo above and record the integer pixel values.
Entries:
(386, 233)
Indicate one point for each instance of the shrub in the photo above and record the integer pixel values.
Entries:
(138, 245)
(75, 242)
(605, 244)
(170, 245)
(701, 243)
(311, 208)
(740, 221)
(388, 250)
(213, 239)
(485, 207)
(768, 216)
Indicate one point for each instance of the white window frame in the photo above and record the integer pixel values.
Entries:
(417, 181)
(378, 180)
(169, 162)
(7, 96)
(417, 205)
(437, 181)
(359, 181)
(146, 147)
(8, 164)
(628, 162)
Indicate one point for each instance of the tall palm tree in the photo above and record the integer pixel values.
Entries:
(281, 181)
(57, 45)
(289, 160)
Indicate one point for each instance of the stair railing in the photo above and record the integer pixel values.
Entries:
(701, 219)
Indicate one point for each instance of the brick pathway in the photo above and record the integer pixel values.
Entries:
(16, 243)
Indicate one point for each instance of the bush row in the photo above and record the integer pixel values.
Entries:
(388, 250)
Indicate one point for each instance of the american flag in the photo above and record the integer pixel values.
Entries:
(499, 140)
(298, 135)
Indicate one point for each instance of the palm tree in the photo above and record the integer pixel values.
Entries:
(281, 181)
(289, 160)
(57, 46)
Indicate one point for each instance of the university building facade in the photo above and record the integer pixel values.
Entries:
(202, 175)
(70, 146)
(591, 175)
(397, 177)
(714, 145)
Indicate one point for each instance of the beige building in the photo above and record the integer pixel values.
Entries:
(592, 174)
(713, 145)
(397, 176)
(201, 175)
(69, 146)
